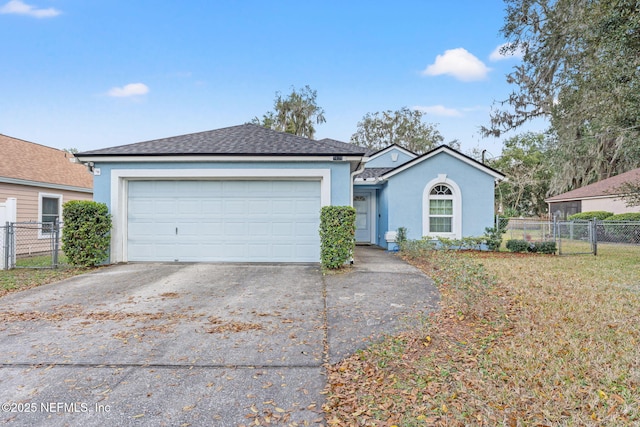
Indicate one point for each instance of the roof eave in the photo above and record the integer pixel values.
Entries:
(185, 157)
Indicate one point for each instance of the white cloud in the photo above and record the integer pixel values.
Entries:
(132, 89)
(438, 110)
(458, 63)
(496, 55)
(18, 7)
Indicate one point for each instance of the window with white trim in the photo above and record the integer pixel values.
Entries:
(440, 209)
(49, 211)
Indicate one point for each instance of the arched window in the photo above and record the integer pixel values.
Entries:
(442, 208)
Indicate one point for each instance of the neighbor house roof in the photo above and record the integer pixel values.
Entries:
(247, 139)
(605, 188)
(26, 163)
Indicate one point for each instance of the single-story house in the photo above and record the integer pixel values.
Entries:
(40, 179)
(603, 195)
(250, 194)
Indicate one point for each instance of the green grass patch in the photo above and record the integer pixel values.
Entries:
(19, 279)
(521, 340)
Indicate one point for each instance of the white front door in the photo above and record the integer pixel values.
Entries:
(362, 204)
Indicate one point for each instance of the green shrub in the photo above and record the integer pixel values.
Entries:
(533, 247)
(587, 216)
(545, 247)
(85, 234)
(401, 236)
(493, 235)
(515, 245)
(337, 235)
(419, 248)
(629, 216)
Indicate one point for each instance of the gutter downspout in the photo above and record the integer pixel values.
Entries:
(353, 177)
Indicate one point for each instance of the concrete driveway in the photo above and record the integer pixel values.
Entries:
(195, 344)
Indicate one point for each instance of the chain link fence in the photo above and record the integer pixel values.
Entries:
(31, 245)
(572, 237)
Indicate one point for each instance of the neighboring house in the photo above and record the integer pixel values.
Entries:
(247, 193)
(599, 196)
(41, 179)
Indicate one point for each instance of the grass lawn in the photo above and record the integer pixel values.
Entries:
(20, 279)
(521, 340)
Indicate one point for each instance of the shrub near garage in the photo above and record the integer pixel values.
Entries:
(85, 235)
(337, 235)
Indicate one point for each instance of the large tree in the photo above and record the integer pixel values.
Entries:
(630, 192)
(404, 127)
(297, 113)
(524, 162)
(581, 70)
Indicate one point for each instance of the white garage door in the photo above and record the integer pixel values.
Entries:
(247, 221)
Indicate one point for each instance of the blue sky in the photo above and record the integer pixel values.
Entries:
(99, 73)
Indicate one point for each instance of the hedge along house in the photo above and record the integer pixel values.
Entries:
(250, 194)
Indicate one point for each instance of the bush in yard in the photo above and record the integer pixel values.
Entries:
(629, 216)
(85, 234)
(493, 235)
(626, 232)
(401, 236)
(419, 248)
(545, 247)
(515, 245)
(588, 216)
(533, 247)
(337, 235)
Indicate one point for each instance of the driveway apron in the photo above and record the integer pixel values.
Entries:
(195, 344)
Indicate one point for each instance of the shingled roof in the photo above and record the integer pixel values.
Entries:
(28, 161)
(606, 187)
(369, 173)
(247, 139)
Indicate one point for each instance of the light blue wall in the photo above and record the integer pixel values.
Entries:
(383, 215)
(340, 174)
(405, 191)
(385, 161)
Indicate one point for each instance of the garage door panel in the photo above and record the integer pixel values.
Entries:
(282, 251)
(257, 221)
(306, 229)
(232, 206)
(259, 250)
(282, 206)
(283, 229)
(260, 229)
(211, 228)
(258, 206)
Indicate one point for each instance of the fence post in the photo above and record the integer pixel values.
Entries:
(559, 236)
(594, 236)
(56, 242)
(5, 245)
(10, 246)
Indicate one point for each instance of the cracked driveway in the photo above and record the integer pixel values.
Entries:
(195, 344)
